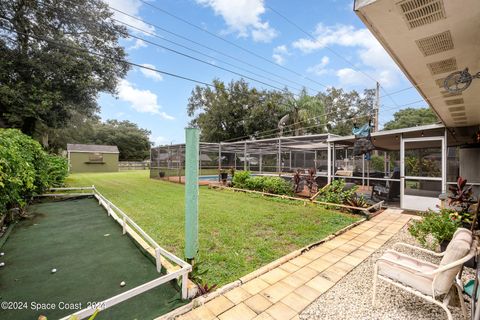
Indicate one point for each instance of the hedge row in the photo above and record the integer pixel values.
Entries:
(276, 185)
(26, 169)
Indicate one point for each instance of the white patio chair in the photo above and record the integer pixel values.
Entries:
(427, 280)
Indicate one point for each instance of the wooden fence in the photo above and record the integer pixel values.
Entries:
(133, 165)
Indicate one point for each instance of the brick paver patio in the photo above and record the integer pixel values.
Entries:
(285, 291)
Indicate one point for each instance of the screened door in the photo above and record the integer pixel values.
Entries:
(422, 173)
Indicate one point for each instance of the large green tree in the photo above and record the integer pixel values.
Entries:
(345, 109)
(411, 117)
(233, 110)
(43, 83)
(306, 114)
(236, 111)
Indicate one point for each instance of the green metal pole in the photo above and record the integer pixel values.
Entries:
(191, 192)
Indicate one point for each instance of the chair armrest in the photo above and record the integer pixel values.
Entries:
(433, 253)
(454, 264)
(406, 266)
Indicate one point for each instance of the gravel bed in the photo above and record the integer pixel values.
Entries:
(351, 297)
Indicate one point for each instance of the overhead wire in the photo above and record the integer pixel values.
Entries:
(210, 48)
(107, 57)
(330, 49)
(232, 43)
(207, 55)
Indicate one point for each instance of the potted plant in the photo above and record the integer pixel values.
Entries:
(223, 175)
(461, 200)
(435, 229)
(161, 174)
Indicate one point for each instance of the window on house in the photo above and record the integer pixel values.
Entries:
(96, 157)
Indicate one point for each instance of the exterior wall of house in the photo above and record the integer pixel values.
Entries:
(91, 162)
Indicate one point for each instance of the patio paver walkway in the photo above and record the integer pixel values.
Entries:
(283, 292)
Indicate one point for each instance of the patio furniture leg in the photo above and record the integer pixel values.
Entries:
(375, 279)
(462, 301)
(444, 305)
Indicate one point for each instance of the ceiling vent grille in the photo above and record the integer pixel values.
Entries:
(447, 94)
(459, 115)
(437, 43)
(454, 102)
(461, 123)
(443, 66)
(418, 13)
(456, 109)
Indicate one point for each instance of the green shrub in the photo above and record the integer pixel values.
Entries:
(25, 169)
(335, 192)
(434, 228)
(277, 185)
(240, 178)
(57, 170)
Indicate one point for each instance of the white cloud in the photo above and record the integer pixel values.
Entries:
(137, 45)
(243, 17)
(131, 7)
(319, 69)
(150, 73)
(143, 101)
(373, 59)
(348, 76)
(279, 54)
(278, 59)
(159, 140)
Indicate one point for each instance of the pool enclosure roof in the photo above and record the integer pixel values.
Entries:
(429, 40)
(388, 140)
(267, 146)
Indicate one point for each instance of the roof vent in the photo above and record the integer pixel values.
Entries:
(443, 66)
(454, 102)
(421, 12)
(447, 94)
(437, 43)
(458, 114)
(456, 109)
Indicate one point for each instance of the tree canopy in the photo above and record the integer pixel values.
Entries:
(236, 111)
(132, 142)
(47, 71)
(411, 117)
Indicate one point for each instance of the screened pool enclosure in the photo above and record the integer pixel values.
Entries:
(409, 168)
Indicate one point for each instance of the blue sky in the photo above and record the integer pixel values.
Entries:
(341, 54)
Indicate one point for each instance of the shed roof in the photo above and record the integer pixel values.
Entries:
(73, 147)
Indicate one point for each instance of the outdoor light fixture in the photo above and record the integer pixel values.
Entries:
(422, 133)
(459, 81)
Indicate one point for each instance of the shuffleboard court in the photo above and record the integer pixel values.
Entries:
(91, 257)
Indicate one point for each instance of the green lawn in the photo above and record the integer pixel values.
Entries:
(238, 232)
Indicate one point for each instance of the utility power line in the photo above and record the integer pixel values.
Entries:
(209, 48)
(196, 51)
(105, 56)
(231, 43)
(330, 49)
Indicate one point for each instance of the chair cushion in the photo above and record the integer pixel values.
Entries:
(404, 275)
(457, 249)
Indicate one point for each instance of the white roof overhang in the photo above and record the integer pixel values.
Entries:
(429, 39)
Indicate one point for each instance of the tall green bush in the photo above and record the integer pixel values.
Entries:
(276, 185)
(25, 169)
(336, 192)
(240, 179)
